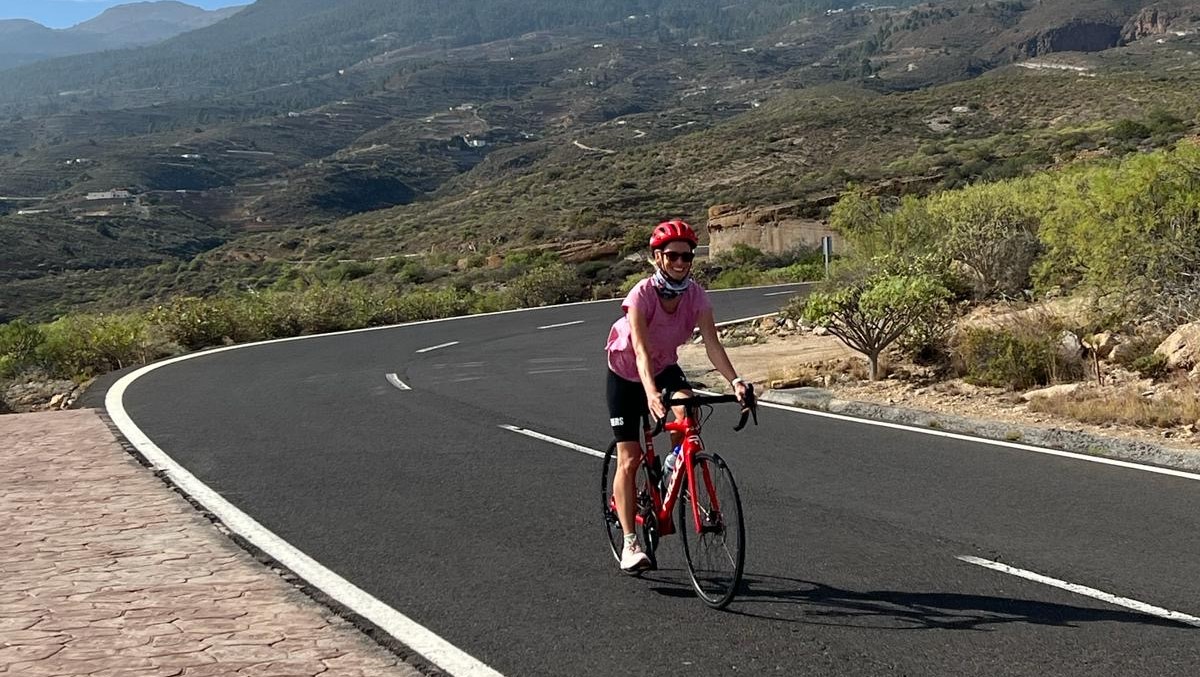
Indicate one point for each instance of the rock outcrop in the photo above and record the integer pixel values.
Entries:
(1077, 36)
(773, 229)
(1150, 21)
(1162, 18)
(39, 395)
(1182, 348)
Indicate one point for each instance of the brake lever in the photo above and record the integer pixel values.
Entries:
(750, 409)
(742, 421)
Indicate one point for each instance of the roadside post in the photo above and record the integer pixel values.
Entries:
(827, 250)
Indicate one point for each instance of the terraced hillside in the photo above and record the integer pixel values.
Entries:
(493, 137)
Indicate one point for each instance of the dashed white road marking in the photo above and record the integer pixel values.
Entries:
(561, 324)
(557, 371)
(438, 347)
(395, 380)
(554, 440)
(1140, 607)
(780, 293)
(458, 365)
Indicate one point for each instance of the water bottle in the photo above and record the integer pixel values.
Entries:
(672, 461)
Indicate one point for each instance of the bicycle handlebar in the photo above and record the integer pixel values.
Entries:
(749, 409)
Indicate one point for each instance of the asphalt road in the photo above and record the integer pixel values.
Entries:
(493, 540)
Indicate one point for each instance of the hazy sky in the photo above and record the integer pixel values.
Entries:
(65, 13)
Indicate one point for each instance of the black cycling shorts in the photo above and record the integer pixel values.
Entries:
(627, 401)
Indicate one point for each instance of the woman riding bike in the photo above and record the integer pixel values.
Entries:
(643, 353)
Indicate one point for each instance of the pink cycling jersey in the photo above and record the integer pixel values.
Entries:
(665, 332)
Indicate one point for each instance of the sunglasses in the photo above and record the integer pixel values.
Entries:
(675, 256)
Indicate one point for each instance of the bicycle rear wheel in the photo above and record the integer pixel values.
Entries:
(645, 507)
(716, 549)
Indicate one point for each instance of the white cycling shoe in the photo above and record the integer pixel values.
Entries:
(634, 560)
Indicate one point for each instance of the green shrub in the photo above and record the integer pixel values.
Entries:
(870, 309)
(1016, 358)
(428, 305)
(194, 322)
(492, 301)
(1139, 347)
(742, 255)
(324, 309)
(555, 283)
(631, 281)
(1153, 365)
(636, 238)
(734, 277)
(590, 270)
(797, 272)
(82, 346)
(259, 317)
(1129, 130)
(800, 253)
(9, 366)
(19, 342)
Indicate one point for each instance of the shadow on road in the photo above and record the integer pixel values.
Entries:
(793, 600)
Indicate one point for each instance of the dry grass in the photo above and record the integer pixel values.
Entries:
(814, 373)
(1126, 406)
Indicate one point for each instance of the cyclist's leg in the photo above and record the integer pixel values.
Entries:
(629, 457)
(672, 378)
(626, 407)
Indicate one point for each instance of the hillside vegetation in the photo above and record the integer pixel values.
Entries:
(406, 154)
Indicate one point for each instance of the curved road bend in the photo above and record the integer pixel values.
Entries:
(491, 539)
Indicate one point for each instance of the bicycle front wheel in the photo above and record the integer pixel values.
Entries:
(714, 545)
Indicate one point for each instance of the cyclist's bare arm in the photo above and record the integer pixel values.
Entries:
(716, 352)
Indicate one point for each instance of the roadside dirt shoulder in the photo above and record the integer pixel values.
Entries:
(773, 358)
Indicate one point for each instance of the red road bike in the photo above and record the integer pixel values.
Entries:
(710, 510)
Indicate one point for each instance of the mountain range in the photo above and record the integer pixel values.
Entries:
(127, 25)
(304, 132)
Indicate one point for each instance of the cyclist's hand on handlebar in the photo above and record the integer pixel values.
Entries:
(749, 402)
(741, 389)
(658, 410)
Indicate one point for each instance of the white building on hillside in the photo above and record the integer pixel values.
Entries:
(110, 195)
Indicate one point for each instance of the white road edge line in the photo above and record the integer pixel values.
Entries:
(996, 443)
(554, 440)
(561, 324)
(744, 319)
(1140, 607)
(438, 347)
(395, 380)
(438, 651)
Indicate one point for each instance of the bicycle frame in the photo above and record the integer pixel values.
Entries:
(689, 431)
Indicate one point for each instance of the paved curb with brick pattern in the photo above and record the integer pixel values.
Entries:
(106, 571)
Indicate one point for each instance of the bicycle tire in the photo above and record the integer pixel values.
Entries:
(716, 587)
(612, 525)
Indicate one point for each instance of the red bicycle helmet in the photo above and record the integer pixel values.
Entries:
(670, 231)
